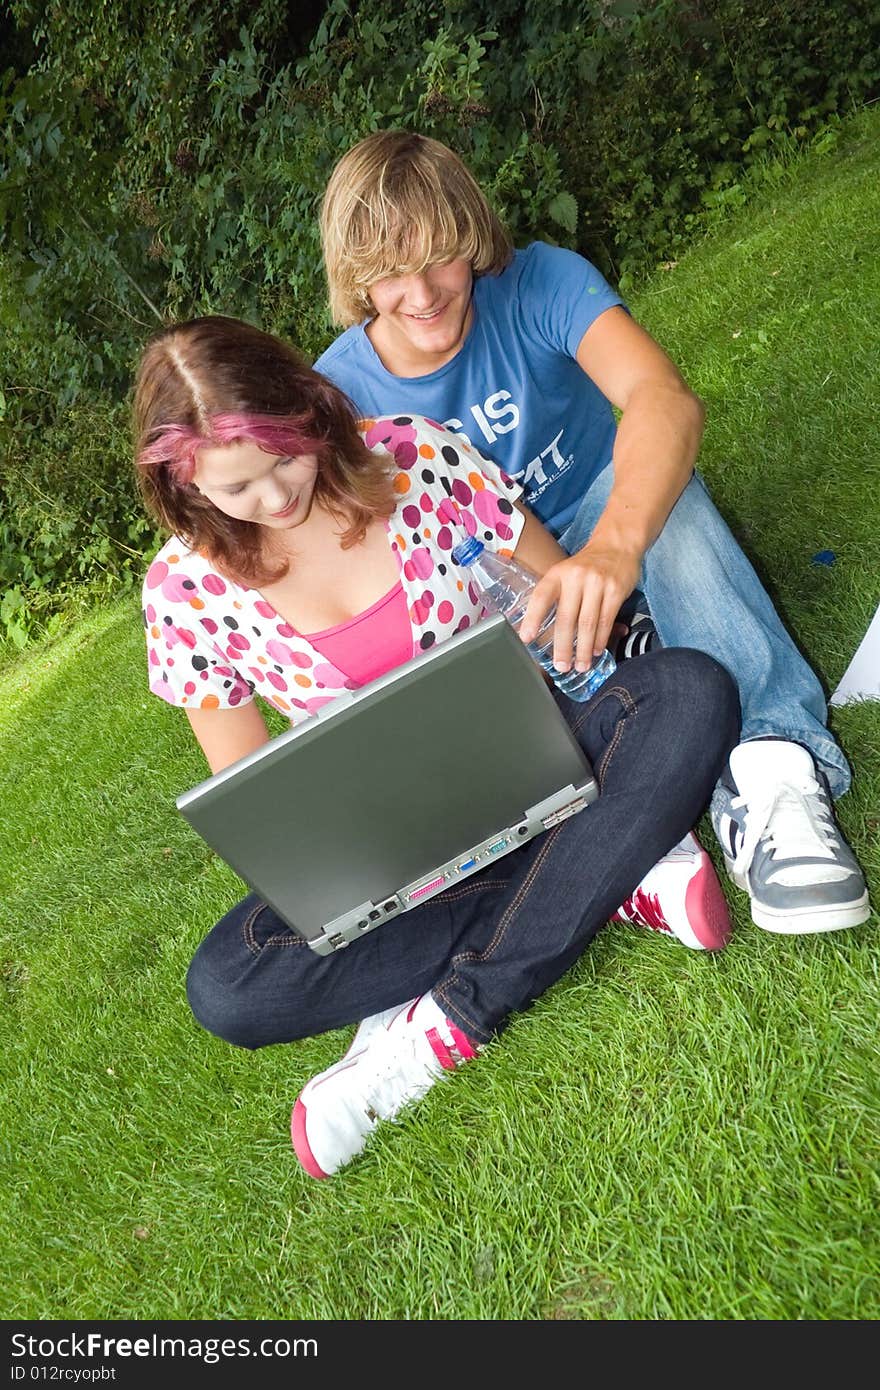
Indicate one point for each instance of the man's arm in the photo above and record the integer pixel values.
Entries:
(658, 437)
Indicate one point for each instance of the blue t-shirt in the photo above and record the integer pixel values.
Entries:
(514, 388)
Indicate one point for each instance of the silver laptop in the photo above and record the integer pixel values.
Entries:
(396, 791)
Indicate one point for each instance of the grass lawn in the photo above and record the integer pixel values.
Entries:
(665, 1135)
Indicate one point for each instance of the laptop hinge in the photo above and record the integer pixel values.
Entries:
(564, 812)
(562, 804)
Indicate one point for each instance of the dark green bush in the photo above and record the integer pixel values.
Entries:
(164, 159)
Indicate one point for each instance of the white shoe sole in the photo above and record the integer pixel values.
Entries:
(810, 919)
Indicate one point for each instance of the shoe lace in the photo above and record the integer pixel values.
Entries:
(396, 1071)
(794, 821)
(644, 910)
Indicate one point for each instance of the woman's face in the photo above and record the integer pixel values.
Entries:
(425, 317)
(245, 482)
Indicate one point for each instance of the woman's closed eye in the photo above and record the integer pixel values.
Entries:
(237, 491)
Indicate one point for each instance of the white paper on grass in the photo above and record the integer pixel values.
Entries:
(861, 679)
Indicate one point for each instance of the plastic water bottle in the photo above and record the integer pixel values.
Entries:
(505, 586)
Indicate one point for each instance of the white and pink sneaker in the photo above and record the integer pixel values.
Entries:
(395, 1057)
(681, 896)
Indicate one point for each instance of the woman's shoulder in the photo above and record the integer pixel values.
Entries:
(427, 455)
(440, 452)
(408, 436)
(440, 472)
(178, 572)
(175, 554)
(174, 548)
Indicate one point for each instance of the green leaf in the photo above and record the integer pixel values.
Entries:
(13, 600)
(17, 635)
(563, 209)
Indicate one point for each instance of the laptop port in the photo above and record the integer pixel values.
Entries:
(465, 865)
(498, 846)
(425, 888)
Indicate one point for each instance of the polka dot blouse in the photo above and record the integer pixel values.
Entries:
(213, 644)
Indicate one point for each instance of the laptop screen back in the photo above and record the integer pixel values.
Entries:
(393, 780)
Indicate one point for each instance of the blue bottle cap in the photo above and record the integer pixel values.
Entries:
(467, 551)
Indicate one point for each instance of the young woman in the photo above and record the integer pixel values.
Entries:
(310, 552)
(526, 352)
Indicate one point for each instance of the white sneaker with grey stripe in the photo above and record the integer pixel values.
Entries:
(773, 817)
(640, 637)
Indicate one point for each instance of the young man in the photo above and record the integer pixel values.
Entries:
(526, 353)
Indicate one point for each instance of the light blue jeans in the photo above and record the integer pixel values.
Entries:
(703, 593)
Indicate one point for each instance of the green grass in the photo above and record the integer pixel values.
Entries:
(664, 1135)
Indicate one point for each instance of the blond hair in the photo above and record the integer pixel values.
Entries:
(396, 203)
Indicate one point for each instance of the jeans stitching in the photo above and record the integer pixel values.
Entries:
(500, 930)
(451, 895)
(247, 930)
(630, 707)
(441, 991)
(524, 889)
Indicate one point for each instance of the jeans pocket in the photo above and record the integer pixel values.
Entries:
(262, 927)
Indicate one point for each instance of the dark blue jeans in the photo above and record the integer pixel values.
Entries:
(657, 735)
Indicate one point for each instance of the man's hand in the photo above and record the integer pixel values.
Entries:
(588, 589)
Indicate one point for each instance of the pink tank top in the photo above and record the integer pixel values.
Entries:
(372, 642)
